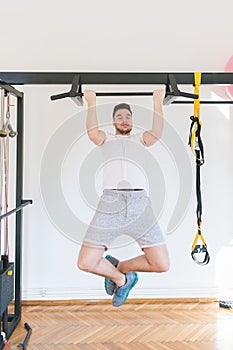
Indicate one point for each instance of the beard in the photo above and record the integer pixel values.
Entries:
(124, 131)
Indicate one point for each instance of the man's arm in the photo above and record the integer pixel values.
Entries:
(95, 135)
(153, 135)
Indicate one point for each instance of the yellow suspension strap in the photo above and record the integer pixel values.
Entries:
(196, 145)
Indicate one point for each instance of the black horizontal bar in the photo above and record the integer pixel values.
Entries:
(53, 78)
(60, 96)
(144, 93)
(205, 102)
(107, 94)
(20, 207)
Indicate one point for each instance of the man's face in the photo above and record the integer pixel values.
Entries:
(123, 122)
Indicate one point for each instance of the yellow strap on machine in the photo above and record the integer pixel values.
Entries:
(196, 113)
(197, 83)
(196, 145)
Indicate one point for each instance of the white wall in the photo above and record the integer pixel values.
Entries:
(94, 36)
(51, 242)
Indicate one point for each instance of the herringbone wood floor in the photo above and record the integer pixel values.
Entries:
(137, 325)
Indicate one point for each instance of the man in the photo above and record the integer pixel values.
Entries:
(124, 207)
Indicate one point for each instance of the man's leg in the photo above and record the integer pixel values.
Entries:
(154, 259)
(91, 260)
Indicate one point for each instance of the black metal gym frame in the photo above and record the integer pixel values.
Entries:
(10, 273)
(77, 79)
(144, 78)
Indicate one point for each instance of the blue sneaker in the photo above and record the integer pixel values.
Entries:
(121, 293)
(109, 284)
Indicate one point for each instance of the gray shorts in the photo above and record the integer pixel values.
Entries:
(122, 212)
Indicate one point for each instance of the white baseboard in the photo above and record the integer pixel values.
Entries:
(77, 293)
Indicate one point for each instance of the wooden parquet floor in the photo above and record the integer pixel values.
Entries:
(137, 325)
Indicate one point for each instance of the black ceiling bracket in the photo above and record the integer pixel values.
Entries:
(172, 91)
(76, 88)
(10, 89)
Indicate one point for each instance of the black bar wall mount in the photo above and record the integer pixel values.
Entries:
(24, 202)
(95, 78)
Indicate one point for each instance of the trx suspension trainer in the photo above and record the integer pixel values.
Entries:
(196, 145)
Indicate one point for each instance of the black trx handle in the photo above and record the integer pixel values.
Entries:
(199, 250)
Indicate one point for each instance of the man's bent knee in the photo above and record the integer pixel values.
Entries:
(85, 265)
(89, 258)
(163, 267)
(160, 266)
(157, 258)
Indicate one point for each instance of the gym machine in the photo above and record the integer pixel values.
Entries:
(10, 271)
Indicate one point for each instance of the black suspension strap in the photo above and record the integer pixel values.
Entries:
(195, 142)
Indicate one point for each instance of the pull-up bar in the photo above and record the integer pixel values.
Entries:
(116, 94)
(172, 92)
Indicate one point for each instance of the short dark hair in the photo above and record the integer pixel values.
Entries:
(121, 106)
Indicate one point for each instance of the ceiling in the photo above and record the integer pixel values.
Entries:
(118, 35)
